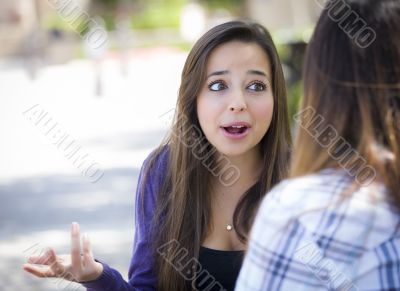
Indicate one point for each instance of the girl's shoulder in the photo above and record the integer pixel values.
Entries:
(154, 169)
(319, 187)
(151, 179)
(330, 201)
(330, 186)
(157, 159)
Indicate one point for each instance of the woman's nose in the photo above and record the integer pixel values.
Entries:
(237, 108)
(238, 103)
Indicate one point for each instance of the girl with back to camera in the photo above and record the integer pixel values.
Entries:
(335, 225)
(198, 191)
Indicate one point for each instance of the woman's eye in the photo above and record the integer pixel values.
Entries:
(216, 86)
(257, 86)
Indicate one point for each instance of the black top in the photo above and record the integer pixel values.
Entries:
(222, 269)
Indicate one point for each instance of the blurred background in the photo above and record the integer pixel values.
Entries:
(101, 76)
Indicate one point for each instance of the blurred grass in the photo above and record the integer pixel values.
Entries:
(236, 7)
(156, 15)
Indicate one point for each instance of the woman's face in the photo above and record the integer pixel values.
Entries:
(235, 104)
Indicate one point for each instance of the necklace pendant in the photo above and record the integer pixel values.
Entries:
(229, 227)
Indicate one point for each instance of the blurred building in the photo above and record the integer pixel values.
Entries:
(278, 15)
(17, 19)
(23, 29)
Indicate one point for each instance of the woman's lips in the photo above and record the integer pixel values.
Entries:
(235, 136)
(237, 123)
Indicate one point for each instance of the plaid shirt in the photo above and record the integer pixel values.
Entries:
(308, 235)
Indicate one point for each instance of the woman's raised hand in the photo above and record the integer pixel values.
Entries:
(79, 266)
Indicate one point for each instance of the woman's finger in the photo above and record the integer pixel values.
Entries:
(75, 247)
(45, 259)
(57, 268)
(41, 259)
(40, 272)
(87, 250)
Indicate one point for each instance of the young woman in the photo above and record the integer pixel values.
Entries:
(335, 225)
(198, 192)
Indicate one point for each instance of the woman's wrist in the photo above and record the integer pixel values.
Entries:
(96, 274)
(100, 268)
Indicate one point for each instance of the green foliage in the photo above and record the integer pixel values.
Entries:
(227, 4)
(106, 3)
(157, 14)
(294, 92)
(109, 21)
(54, 21)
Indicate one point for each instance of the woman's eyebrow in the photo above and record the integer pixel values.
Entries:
(257, 72)
(218, 73)
(251, 72)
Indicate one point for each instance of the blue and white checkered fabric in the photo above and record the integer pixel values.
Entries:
(317, 232)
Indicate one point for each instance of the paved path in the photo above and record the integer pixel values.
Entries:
(42, 191)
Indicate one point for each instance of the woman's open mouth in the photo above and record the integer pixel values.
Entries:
(235, 131)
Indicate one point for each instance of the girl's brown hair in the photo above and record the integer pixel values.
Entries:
(183, 202)
(352, 81)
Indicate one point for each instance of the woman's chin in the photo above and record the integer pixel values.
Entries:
(232, 151)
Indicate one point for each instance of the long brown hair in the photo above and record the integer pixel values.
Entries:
(183, 205)
(352, 81)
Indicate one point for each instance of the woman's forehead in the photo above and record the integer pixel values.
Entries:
(237, 55)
